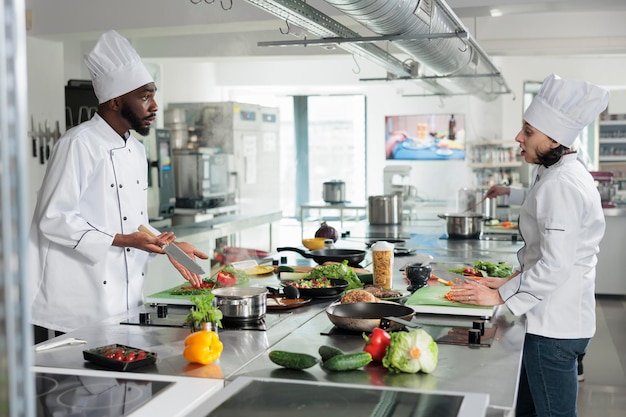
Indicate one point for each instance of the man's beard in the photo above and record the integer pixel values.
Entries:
(135, 122)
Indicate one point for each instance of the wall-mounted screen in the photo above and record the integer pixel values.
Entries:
(425, 137)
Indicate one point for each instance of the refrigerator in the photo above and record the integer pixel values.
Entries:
(250, 133)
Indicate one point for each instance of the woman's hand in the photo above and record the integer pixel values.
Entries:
(497, 190)
(193, 252)
(471, 292)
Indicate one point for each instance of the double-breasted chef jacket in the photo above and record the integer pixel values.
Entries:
(95, 187)
(562, 223)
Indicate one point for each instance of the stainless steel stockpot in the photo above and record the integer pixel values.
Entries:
(241, 303)
(463, 226)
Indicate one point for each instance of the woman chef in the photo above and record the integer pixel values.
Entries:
(561, 222)
(89, 260)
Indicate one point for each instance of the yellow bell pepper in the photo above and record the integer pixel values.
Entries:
(203, 347)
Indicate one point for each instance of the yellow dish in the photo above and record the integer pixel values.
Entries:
(315, 243)
(259, 270)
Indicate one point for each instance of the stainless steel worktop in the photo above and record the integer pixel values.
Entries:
(493, 370)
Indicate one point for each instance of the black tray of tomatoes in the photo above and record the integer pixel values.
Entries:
(120, 357)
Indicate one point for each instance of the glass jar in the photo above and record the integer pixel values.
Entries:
(382, 254)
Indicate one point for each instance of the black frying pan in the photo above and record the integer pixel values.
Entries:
(363, 317)
(353, 256)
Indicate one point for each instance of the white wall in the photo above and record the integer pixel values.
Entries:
(46, 101)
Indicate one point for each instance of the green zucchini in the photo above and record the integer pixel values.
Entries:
(327, 352)
(348, 361)
(285, 268)
(292, 360)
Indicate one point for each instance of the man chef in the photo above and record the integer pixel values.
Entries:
(88, 258)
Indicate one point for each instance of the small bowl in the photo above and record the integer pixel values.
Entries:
(315, 243)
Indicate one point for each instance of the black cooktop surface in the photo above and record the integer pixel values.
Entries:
(92, 396)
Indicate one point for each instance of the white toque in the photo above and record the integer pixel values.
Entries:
(564, 107)
(115, 67)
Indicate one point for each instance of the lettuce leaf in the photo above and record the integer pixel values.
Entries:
(338, 271)
(411, 352)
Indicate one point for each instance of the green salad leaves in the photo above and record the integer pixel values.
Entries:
(338, 271)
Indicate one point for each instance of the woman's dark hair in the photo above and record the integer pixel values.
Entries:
(553, 156)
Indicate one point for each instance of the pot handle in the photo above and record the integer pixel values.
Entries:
(291, 249)
(442, 216)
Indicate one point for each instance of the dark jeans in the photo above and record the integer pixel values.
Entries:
(42, 334)
(548, 385)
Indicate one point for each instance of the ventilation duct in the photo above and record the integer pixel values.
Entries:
(459, 59)
(427, 30)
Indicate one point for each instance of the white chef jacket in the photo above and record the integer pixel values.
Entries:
(561, 222)
(95, 186)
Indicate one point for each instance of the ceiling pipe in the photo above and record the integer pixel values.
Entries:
(459, 60)
(427, 30)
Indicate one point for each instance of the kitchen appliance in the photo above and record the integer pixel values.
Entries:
(266, 397)
(384, 209)
(161, 196)
(249, 132)
(463, 226)
(606, 187)
(94, 392)
(396, 178)
(204, 178)
(334, 191)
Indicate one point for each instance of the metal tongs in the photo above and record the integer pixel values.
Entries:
(58, 343)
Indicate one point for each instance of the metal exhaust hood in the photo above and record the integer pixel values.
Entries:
(428, 31)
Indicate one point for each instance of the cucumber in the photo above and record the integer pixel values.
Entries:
(292, 360)
(285, 268)
(327, 352)
(348, 361)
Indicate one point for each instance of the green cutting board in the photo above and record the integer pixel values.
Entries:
(434, 296)
(166, 297)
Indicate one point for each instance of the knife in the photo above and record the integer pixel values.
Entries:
(178, 254)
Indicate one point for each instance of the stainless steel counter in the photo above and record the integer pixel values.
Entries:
(493, 370)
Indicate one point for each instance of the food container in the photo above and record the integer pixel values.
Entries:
(382, 254)
(334, 191)
(241, 303)
(115, 357)
(384, 209)
(463, 226)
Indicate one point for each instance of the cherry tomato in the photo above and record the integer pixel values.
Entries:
(119, 357)
(141, 354)
(130, 357)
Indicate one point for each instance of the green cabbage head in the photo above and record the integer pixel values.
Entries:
(411, 352)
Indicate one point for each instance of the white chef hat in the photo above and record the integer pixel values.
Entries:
(115, 67)
(564, 107)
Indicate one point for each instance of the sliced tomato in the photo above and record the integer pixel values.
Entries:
(226, 279)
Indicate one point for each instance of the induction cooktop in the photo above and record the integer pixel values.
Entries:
(261, 397)
(92, 396)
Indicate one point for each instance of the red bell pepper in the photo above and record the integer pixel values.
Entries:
(226, 279)
(376, 343)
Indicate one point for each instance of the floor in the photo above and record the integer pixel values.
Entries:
(603, 391)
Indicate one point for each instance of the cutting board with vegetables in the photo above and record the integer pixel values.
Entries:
(431, 299)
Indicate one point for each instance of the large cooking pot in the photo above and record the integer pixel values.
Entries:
(463, 226)
(334, 191)
(363, 317)
(241, 303)
(384, 209)
(354, 257)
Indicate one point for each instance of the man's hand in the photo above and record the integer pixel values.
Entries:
(193, 252)
(144, 241)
